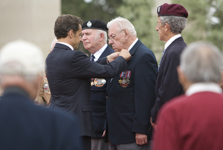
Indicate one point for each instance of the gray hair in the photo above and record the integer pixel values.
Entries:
(123, 24)
(105, 35)
(201, 62)
(176, 23)
(21, 58)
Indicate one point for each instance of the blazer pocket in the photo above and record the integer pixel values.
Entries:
(86, 108)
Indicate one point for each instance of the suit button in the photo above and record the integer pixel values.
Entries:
(106, 97)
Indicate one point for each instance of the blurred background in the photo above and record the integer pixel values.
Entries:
(33, 20)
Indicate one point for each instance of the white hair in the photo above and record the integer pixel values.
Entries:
(201, 62)
(21, 58)
(105, 35)
(123, 24)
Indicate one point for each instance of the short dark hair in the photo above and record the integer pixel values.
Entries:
(65, 23)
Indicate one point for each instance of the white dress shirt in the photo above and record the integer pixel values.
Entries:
(203, 87)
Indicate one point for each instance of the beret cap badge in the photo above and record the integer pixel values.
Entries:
(158, 9)
(89, 24)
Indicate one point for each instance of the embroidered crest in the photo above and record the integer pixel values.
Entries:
(124, 78)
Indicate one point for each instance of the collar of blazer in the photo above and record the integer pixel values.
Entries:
(106, 52)
(62, 46)
(134, 48)
(173, 43)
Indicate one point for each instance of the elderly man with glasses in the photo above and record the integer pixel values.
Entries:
(131, 94)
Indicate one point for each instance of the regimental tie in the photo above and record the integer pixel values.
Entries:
(161, 59)
(92, 58)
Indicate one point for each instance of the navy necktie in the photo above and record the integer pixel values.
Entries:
(92, 58)
(161, 60)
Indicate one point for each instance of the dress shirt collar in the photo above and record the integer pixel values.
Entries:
(67, 45)
(203, 87)
(171, 40)
(98, 53)
(130, 47)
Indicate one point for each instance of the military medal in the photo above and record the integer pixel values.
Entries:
(98, 82)
(124, 78)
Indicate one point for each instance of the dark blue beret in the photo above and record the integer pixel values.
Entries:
(94, 24)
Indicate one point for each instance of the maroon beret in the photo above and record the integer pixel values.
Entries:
(172, 10)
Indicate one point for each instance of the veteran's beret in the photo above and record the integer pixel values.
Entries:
(94, 24)
(172, 10)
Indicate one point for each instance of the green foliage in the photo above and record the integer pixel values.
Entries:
(139, 14)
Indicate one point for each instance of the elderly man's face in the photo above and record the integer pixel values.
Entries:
(116, 37)
(160, 28)
(90, 39)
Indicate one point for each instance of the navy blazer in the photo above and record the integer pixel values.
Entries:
(131, 96)
(98, 100)
(167, 84)
(26, 126)
(68, 73)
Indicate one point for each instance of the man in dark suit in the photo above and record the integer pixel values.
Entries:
(131, 94)
(172, 19)
(24, 125)
(69, 72)
(94, 38)
(194, 121)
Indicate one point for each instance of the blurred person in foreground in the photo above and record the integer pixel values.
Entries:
(131, 94)
(44, 94)
(24, 125)
(94, 38)
(69, 72)
(194, 121)
(172, 19)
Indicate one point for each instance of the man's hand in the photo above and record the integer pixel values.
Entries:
(141, 139)
(103, 135)
(112, 56)
(153, 124)
(125, 53)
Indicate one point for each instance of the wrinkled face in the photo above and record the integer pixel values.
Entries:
(77, 38)
(89, 39)
(160, 28)
(116, 38)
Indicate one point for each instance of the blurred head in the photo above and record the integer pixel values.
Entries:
(172, 19)
(200, 62)
(21, 64)
(68, 28)
(53, 44)
(94, 35)
(121, 33)
(221, 83)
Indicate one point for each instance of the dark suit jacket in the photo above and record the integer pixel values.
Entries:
(167, 84)
(98, 101)
(25, 126)
(128, 108)
(68, 73)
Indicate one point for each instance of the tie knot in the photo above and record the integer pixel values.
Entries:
(92, 57)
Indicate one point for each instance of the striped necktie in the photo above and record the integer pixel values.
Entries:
(92, 58)
(160, 60)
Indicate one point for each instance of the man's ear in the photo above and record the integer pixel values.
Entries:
(167, 27)
(70, 33)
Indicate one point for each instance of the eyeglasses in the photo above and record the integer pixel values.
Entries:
(112, 37)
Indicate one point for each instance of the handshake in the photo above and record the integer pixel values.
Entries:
(124, 53)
